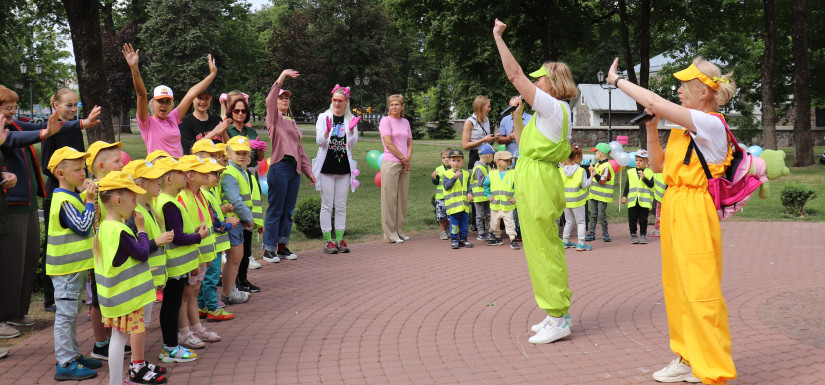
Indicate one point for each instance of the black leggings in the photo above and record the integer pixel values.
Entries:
(170, 308)
(247, 252)
(638, 214)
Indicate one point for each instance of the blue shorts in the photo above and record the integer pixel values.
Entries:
(236, 235)
(440, 210)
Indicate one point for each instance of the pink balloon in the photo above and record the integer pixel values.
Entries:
(124, 157)
(263, 167)
(614, 165)
(378, 179)
(356, 172)
(356, 183)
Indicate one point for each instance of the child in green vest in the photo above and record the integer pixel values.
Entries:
(576, 183)
(70, 233)
(438, 180)
(482, 206)
(659, 187)
(182, 257)
(456, 197)
(237, 190)
(638, 195)
(124, 279)
(500, 192)
(601, 192)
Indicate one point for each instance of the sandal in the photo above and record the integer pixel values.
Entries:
(145, 375)
(177, 354)
(155, 368)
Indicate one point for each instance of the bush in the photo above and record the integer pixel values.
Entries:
(306, 217)
(794, 196)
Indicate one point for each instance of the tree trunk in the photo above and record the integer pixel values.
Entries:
(548, 32)
(803, 141)
(108, 17)
(624, 31)
(768, 58)
(84, 16)
(644, 62)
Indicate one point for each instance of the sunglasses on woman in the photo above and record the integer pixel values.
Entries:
(239, 111)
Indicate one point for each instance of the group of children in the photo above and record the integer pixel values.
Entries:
(492, 194)
(155, 222)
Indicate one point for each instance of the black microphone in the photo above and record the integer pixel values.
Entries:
(645, 117)
(510, 109)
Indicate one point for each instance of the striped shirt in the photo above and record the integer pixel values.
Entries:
(79, 222)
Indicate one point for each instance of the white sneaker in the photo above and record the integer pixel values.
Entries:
(271, 257)
(444, 236)
(253, 264)
(535, 328)
(404, 237)
(676, 371)
(550, 332)
(399, 241)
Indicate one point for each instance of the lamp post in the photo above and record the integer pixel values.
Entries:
(609, 88)
(23, 69)
(361, 94)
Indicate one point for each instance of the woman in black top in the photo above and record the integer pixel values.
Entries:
(200, 124)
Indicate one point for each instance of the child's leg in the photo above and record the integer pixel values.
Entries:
(593, 205)
(454, 227)
(658, 215)
(117, 351)
(510, 225)
(632, 218)
(644, 212)
(230, 269)
(580, 218)
(463, 224)
(602, 207)
(479, 218)
(189, 306)
(243, 263)
(170, 310)
(495, 215)
(101, 333)
(568, 225)
(147, 313)
(138, 342)
(208, 294)
(67, 290)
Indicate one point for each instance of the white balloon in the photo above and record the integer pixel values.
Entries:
(622, 158)
(616, 147)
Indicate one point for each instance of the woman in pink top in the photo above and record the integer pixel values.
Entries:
(287, 163)
(395, 169)
(160, 130)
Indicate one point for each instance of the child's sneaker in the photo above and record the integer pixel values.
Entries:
(219, 315)
(444, 236)
(75, 371)
(454, 244)
(202, 313)
(144, 374)
(90, 363)
(342, 246)
(235, 297)
(514, 245)
(569, 245)
(207, 336)
(583, 247)
(100, 352)
(643, 239)
(495, 242)
(330, 248)
(177, 354)
(482, 237)
(253, 264)
(654, 233)
(465, 244)
(271, 257)
(191, 341)
(634, 239)
(605, 238)
(285, 253)
(590, 237)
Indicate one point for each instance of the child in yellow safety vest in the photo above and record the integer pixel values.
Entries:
(601, 192)
(124, 279)
(482, 206)
(457, 196)
(638, 195)
(500, 192)
(438, 180)
(576, 188)
(659, 187)
(69, 257)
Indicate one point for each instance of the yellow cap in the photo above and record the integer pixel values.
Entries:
(213, 165)
(540, 72)
(221, 147)
(195, 163)
(64, 154)
(170, 164)
(117, 180)
(154, 155)
(239, 143)
(692, 72)
(142, 168)
(98, 146)
(206, 145)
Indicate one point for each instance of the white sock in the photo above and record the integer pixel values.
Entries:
(197, 327)
(117, 347)
(558, 320)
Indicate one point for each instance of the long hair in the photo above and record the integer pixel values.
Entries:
(347, 111)
(478, 107)
(564, 88)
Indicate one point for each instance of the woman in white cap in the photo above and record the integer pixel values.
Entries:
(543, 143)
(160, 130)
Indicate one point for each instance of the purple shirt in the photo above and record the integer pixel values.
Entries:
(399, 131)
(174, 222)
(131, 247)
(162, 134)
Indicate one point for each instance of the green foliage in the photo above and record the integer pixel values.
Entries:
(794, 196)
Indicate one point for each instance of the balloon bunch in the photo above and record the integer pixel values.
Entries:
(374, 159)
(621, 158)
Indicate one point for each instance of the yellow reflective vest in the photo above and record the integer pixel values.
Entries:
(659, 187)
(157, 258)
(213, 197)
(180, 260)
(501, 189)
(455, 199)
(249, 191)
(638, 193)
(123, 289)
(66, 251)
(574, 194)
(599, 192)
(439, 188)
(476, 184)
(198, 212)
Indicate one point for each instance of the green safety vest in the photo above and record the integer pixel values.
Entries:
(221, 239)
(477, 186)
(574, 194)
(124, 289)
(502, 190)
(439, 189)
(638, 193)
(66, 251)
(250, 194)
(456, 198)
(157, 258)
(599, 192)
(659, 187)
(179, 259)
(195, 210)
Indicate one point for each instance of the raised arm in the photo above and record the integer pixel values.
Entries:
(197, 89)
(132, 59)
(511, 67)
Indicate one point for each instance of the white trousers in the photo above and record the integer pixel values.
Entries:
(334, 193)
(509, 223)
(571, 216)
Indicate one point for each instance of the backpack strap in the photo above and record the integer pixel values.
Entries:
(693, 147)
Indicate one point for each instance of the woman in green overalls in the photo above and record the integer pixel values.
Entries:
(539, 189)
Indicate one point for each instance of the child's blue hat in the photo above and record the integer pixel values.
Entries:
(485, 149)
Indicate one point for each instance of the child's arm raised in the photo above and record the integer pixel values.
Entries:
(197, 89)
(132, 59)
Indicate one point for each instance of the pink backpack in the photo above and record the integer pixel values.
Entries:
(731, 191)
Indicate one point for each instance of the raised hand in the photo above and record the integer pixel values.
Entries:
(92, 120)
(498, 28)
(353, 123)
(613, 72)
(213, 69)
(54, 125)
(139, 221)
(130, 55)
(329, 124)
(290, 73)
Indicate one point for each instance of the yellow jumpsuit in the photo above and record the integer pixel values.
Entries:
(692, 264)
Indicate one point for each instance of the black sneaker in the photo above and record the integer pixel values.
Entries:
(100, 352)
(286, 254)
(514, 245)
(495, 242)
(248, 287)
(465, 244)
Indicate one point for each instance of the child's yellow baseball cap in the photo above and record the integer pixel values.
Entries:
(98, 146)
(206, 145)
(154, 155)
(65, 153)
(195, 163)
(221, 147)
(117, 180)
(170, 164)
(213, 165)
(142, 168)
(239, 143)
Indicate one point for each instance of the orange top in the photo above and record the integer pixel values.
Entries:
(677, 173)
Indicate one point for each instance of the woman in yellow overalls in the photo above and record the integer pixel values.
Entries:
(690, 233)
(539, 188)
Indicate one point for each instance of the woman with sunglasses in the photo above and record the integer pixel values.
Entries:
(160, 130)
(286, 164)
(336, 133)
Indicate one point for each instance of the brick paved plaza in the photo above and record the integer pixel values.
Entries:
(420, 313)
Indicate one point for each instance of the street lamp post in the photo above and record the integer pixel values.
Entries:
(609, 88)
(361, 95)
(23, 69)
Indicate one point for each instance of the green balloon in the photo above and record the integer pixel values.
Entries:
(502, 147)
(372, 158)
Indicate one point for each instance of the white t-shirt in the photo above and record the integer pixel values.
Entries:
(711, 136)
(549, 116)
